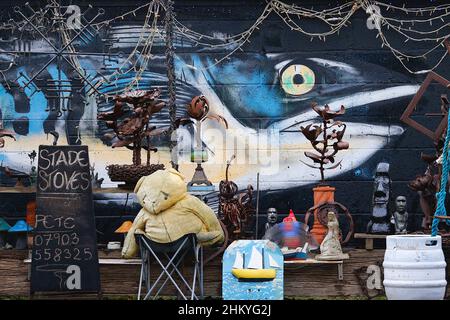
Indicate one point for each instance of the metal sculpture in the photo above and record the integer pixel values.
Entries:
(406, 116)
(379, 222)
(198, 109)
(326, 139)
(132, 131)
(234, 208)
(426, 185)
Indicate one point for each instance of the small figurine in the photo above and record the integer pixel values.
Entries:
(379, 222)
(272, 217)
(330, 248)
(400, 217)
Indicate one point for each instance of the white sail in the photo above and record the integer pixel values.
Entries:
(239, 261)
(273, 263)
(256, 260)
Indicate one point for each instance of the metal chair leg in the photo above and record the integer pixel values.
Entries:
(201, 273)
(165, 281)
(165, 269)
(170, 268)
(140, 281)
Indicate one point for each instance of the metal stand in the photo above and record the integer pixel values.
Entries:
(199, 177)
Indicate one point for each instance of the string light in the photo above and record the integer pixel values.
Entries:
(426, 25)
(338, 17)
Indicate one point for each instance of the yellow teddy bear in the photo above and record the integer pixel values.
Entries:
(170, 212)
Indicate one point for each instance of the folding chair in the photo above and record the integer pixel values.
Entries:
(169, 256)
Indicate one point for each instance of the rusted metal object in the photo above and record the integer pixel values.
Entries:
(406, 116)
(198, 109)
(322, 215)
(326, 139)
(426, 186)
(428, 183)
(132, 131)
(234, 208)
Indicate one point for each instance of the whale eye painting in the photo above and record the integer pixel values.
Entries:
(225, 150)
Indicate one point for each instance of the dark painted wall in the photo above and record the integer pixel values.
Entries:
(347, 67)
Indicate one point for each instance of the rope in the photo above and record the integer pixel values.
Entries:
(440, 208)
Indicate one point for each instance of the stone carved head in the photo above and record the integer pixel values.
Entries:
(400, 204)
(272, 215)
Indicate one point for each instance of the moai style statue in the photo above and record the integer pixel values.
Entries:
(379, 222)
(272, 217)
(400, 217)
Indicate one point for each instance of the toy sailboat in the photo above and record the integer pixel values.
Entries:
(255, 270)
(298, 253)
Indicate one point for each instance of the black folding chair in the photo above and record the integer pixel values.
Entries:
(169, 256)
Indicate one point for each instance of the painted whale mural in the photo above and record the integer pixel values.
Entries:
(264, 97)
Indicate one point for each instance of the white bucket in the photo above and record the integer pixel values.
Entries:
(414, 268)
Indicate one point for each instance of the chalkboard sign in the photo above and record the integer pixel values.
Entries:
(64, 254)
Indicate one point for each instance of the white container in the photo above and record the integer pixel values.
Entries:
(414, 268)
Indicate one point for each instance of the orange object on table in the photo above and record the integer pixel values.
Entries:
(322, 194)
(125, 227)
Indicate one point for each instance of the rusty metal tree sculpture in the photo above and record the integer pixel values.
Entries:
(132, 130)
(325, 138)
